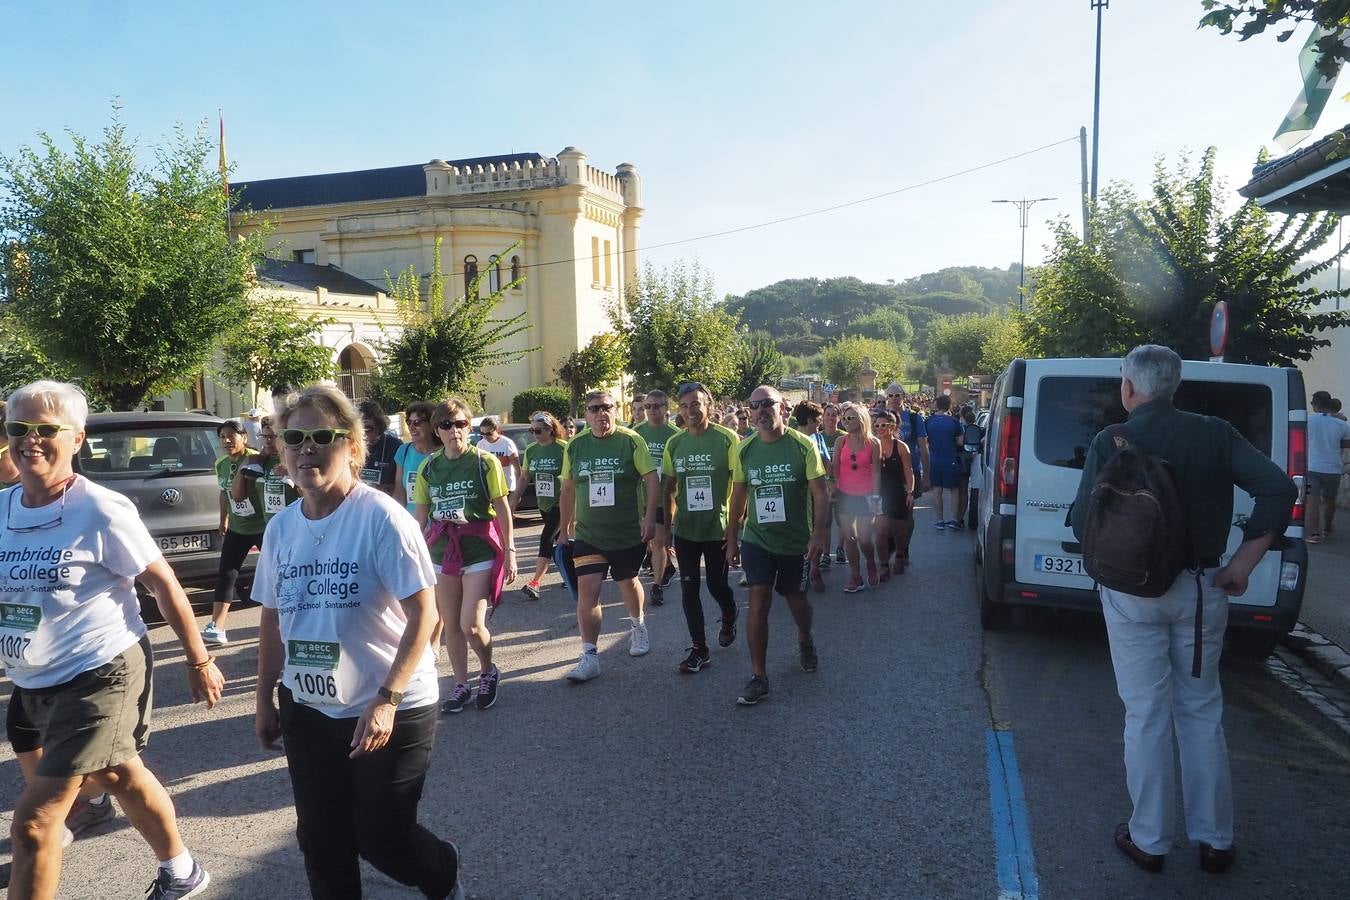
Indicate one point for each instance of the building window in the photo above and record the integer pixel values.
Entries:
(494, 274)
(470, 273)
(595, 262)
(302, 256)
(609, 273)
(354, 373)
(515, 270)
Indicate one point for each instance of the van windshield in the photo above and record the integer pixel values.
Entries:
(1071, 410)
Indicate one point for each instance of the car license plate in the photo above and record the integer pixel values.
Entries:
(185, 543)
(1060, 565)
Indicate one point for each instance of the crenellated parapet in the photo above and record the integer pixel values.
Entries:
(569, 167)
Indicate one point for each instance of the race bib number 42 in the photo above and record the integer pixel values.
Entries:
(18, 621)
(601, 489)
(698, 493)
(312, 672)
(769, 506)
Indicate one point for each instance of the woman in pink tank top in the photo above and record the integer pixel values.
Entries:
(857, 477)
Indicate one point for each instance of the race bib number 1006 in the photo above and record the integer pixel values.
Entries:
(312, 672)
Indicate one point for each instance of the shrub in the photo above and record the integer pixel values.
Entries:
(550, 399)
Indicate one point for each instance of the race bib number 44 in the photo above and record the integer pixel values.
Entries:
(312, 672)
(769, 506)
(18, 621)
(601, 486)
(698, 493)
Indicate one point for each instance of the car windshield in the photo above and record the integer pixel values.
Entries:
(1071, 410)
(136, 452)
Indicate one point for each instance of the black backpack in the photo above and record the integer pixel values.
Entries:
(1134, 534)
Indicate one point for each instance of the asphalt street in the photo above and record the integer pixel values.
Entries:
(869, 778)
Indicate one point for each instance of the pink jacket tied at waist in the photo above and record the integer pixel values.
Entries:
(453, 561)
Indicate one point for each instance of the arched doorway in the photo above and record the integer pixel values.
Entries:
(354, 365)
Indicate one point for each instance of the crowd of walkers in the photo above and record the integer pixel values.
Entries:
(376, 553)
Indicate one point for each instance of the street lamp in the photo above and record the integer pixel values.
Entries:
(1024, 214)
(1098, 5)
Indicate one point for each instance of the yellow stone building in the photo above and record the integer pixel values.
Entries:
(577, 226)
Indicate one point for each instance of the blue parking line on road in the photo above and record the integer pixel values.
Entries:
(1014, 858)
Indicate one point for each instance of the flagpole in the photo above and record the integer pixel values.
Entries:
(1098, 5)
(224, 170)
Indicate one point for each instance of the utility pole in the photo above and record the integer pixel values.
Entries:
(1083, 192)
(1098, 5)
(1024, 214)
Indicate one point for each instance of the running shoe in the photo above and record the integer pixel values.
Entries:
(956, 525)
(727, 635)
(872, 578)
(166, 887)
(639, 643)
(808, 654)
(670, 573)
(86, 814)
(940, 525)
(658, 595)
(487, 689)
(839, 556)
(885, 572)
(756, 689)
(826, 560)
(213, 636)
(531, 590)
(698, 658)
(817, 582)
(67, 838)
(455, 702)
(854, 585)
(587, 667)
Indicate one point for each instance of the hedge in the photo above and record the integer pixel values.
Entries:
(550, 399)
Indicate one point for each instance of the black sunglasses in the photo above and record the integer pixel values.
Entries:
(453, 424)
(760, 404)
(600, 407)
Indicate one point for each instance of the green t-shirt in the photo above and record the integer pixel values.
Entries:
(607, 474)
(656, 439)
(779, 514)
(245, 515)
(701, 467)
(545, 467)
(272, 493)
(460, 490)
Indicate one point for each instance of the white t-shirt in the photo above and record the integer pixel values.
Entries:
(336, 583)
(503, 448)
(67, 593)
(1325, 434)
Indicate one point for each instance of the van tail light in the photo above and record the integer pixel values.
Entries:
(1298, 466)
(1009, 448)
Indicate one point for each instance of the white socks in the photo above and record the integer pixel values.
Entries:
(588, 648)
(178, 867)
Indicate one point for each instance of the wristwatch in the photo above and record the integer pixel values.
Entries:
(394, 697)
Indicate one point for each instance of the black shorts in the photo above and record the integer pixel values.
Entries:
(19, 729)
(550, 533)
(787, 573)
(895, 507)
(621, 564)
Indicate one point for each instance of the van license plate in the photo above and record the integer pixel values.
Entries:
(185, 543)
(1060, 565)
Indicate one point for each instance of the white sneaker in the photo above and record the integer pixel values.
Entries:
(587, 667)
(213, 636)
(639, 644)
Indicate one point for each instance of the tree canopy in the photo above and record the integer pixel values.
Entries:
(123, 277)
(1252, 17)
(274, 348)
(598, 364)
(842, 361)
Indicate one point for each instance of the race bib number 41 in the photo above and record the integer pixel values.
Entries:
(698, 493)
(601, 486)
(769, 507)
(312, 668)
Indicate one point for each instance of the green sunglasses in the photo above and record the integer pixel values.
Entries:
(322, 437)
(17, 429)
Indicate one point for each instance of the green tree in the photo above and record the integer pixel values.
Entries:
(273, 348)
(675, 330)
(957, 344)
(886, 324)
(757, 361)
(547, 399)
(1253, 17)
(124, 277)
(21, 361)
(1003, 345)
(598, 364)
(442, 346)
(842, 361)
(1158, 266)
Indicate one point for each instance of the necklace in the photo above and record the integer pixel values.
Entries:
(318, 538)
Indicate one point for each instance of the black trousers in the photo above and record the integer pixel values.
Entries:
(713, 554)
(365, 806)
(234, 549)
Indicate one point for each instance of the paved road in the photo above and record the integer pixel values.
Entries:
(1324, 606)
(866, 779)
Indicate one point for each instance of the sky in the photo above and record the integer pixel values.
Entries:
(735, 112)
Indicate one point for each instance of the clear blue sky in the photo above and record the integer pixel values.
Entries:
(734, 112)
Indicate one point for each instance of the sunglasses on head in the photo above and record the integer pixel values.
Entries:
(761, 404)
(322, 437)
(600, 407)
(453, 424)
(17, 429)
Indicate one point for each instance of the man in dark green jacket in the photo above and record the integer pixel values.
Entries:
(1153, 639)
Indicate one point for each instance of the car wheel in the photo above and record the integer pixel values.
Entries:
(993, 616)
(1253, 645)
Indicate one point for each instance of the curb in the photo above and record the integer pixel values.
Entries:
(1321, 654)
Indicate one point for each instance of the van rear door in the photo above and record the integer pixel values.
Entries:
(1075, 399)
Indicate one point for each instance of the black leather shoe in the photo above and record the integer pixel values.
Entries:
(1149, 862)
(1216, 862)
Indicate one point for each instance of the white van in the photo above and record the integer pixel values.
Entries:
(1044, 415)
